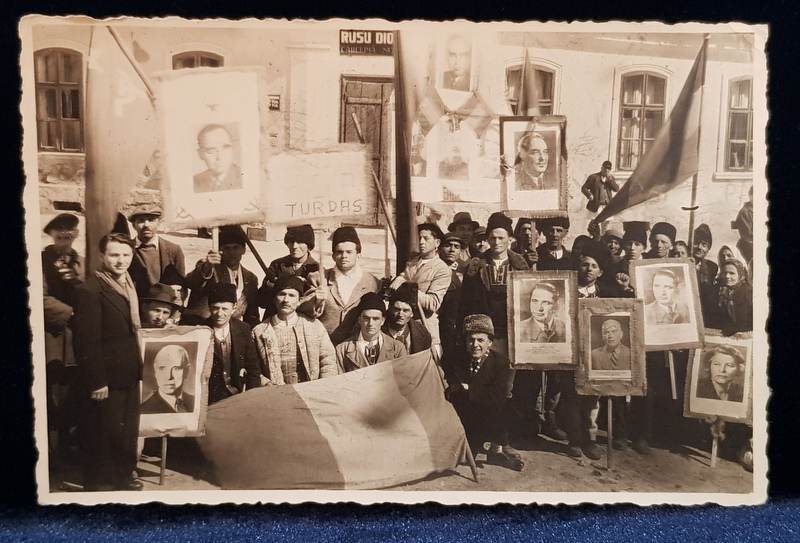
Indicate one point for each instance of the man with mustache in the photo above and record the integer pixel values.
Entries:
(153, 254)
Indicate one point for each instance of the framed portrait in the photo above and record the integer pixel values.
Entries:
(211, 151)
(611, 347)
(541, 319)
(174, 392)
(535, 165)
(456, 63)
(672, 318)
(719, 380)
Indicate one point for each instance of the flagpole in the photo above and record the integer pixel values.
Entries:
(135, 65)
(696, 176)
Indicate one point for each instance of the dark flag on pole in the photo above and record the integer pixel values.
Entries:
(673, 156)
(528, 97)
(120, 134)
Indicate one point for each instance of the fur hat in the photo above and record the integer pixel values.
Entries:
(162, 293)
(549, 222)
(144, 209)
(290, 281)
(222, 292)
(407, 293)
(301, 234)
(664, 228)
(433, 228)
(345, 233)
(462, 216)
(635, 231)
(703, 233)
(232, 234)
(499, 220)
(67, 221)
(371, 300)
(599, 252)
(478, 323)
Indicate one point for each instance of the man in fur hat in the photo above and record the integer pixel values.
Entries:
(401, 323)
(153, 254)
(369, 346)
(552, 253)
(223, 266)
(346, 282)
(662, 238)
(701, 245)
(300, 241)
(479, 387)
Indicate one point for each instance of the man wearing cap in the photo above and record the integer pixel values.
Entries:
(552, 253)
(401, 323)
(479, 387)
(431, 275)
(159, 306)
(235, 367)
(662, 238)
(613, 240)
(634, 242)
(599, 188)
(171, 367)
(347, 282)
(448, 314)
(525, 238)
(109, 368)
(479, 243)
(464, 228)
(293, 348)
(701, 244)
(369, 346)
(153, 253)
(300, 241)
(223, 266)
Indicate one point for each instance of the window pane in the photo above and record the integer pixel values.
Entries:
(545, 85)
(632, 89)
(652, 123)
(209, 62)
(47, 67)
(72, 68)
(630, 124)
(655, 91)
(71, 104)
(179, 63)
(628, 151)
(740, 94)
(545, 109)
(46, 135)
(71, 135)
(46, 104)
(736, 156)
(512, 83)
(738, 126)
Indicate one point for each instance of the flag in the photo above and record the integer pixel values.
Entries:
(408, 100)
(673, 155)
(376, 427)
(528, 97)
(120, 135)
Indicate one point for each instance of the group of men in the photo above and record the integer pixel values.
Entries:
(317, 322)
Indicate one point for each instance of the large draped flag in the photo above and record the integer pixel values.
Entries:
(673, 156)
(120, 134)
(528, 97)
(376, 427)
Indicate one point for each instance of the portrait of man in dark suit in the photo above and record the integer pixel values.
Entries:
(531, 164)
(613, 355)
(726, 368)
(171, 367)
(667, 307)
(215, 147)
(458, 55)
(544, 326)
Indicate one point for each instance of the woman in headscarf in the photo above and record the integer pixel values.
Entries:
(728, 252)
(735, 301)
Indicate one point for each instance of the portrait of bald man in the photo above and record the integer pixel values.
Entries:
(171, 367)
(613, 355)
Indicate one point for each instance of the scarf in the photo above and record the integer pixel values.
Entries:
(127, 291)
(726, 303)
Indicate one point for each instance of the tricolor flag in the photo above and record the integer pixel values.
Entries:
(528, 103)
(380, 426)
(673, 156)
(120, 135)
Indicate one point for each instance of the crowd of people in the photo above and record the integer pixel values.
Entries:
(305, 322)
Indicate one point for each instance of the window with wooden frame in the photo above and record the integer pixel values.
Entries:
(739, 134)
(642, 110)
(59, 100)
(197, 59)
(545, 87)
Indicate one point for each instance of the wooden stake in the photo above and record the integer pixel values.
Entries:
(714, 445)
(671, 363)
(471, 462)
(215, 239)
(610, 432)
(163, 460)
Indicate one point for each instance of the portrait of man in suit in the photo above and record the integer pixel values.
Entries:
(531, 165)
(613, 355)
(666, 308)
(458, 55)
(215, 147)
(171, 367)
(544, 326)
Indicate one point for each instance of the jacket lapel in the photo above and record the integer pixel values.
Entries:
(163, 254)
(115, 299)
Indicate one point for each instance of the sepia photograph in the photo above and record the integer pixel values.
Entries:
(383, 198)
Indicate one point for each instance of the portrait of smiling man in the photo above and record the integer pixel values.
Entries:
(543, 326)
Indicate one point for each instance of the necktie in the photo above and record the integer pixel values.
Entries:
(371, 352)
(179, 407)
(614, 359)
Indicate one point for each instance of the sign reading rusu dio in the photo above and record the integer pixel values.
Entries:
(366, 42)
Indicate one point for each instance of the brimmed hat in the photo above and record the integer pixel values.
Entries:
(303, 233)
(162, 293)
(703, 233)
(612, 233)
(232, 234)
(480, 231)
(635, 231)
(153, 210)
(452, 237)
(664, 228)
(462, 216)
(343, 234)
(171, 276)
(499, 220)
(289, 281)
(66, 221)
(222, 292)
(549, 222)
(431, 227)
(478, 323)
(371, 300)
(407, 293)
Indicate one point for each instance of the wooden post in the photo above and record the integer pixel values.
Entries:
(671, 363)
(163, 460)
(387, 268)
(610, 432)
(215, 238)
(714, 445)
(471, 462)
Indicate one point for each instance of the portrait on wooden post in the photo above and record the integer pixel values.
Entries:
(541, 319)
(534, 165)
(176, 365)
(672, 318)
(211, 155)
(719, 380)
(611, 347)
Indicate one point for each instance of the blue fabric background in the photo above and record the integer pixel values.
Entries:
(22, 520)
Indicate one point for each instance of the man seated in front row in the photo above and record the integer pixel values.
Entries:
(401, 324)
(170, 366)
(369, 346)
(235, 367)
(479, 387)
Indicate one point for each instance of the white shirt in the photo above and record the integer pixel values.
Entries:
(588, 291)
(238, 280)
(222, 333)
(153, 242)
(288, 323)
(346, 282)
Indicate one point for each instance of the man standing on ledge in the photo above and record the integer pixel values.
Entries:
(599, 188)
